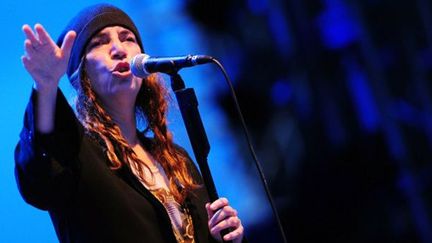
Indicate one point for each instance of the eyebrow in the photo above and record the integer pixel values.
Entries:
(122, 32)
(126, 32)
(99, 35)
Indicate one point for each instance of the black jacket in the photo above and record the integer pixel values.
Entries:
(67, 174)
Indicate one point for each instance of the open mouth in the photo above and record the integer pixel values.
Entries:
(122, 67)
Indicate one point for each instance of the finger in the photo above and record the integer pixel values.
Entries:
(222, 214)
(28, 47)
(29, 34)
(68, 43)
(225, 224)
(25, 61)
(219, 203)
(237, 233)
(44, 37)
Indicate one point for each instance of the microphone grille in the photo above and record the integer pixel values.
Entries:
(138, 67)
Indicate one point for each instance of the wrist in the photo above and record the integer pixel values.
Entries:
(44, 89)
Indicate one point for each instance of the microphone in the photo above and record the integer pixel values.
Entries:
(142, 64)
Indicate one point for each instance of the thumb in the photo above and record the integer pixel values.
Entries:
(68, 43)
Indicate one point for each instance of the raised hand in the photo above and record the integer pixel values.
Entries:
(43, 59)
(222, 216)
(46, 63)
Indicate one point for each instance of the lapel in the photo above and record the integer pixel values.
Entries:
(194, 201)
(127, 175)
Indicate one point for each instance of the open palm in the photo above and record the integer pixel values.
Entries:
(44, 60)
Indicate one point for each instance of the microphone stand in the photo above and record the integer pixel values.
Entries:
(188, 105)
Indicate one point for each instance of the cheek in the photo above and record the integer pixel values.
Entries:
(91, 72)
(91, 65)
(95, 71)
(134, 49)
(94, 77)
(95, 64)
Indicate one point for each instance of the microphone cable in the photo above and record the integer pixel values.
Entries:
(251, 149)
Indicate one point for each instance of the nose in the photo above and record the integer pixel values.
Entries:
(118, 51)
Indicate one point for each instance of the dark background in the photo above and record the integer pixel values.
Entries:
(337, 96)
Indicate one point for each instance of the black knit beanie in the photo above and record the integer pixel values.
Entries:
(89, 22)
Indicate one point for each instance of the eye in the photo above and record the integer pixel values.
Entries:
(131, 39)
(94, 44)
(98, 42)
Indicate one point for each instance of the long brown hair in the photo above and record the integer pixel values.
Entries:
(151, 106)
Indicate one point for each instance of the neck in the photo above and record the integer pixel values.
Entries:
(125, 119)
